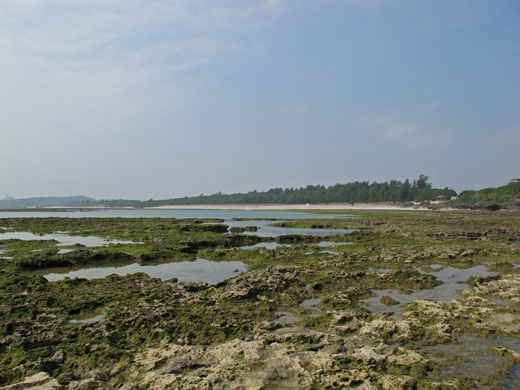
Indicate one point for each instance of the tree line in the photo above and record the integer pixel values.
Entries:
(394, 191)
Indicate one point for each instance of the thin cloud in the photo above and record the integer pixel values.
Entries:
(413, 134)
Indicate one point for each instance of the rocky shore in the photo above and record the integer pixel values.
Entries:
(254, 331)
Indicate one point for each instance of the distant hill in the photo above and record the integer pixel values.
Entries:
(507, 193)
(42, 202)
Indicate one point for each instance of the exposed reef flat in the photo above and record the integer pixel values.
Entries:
(296, 319)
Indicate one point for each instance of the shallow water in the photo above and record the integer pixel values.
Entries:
(199, 214)
(63, 239)
(266, 245)
(328, 244)
(199, 270)
(480, 361)
(330, 252)
(312, 304)
(451, 277)
(511, 381)
(285, 317)
(500, 301)
(266, 229)
(91, 320)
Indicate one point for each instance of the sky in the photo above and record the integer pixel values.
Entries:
(143, 99)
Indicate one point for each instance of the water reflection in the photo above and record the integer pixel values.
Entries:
(91, 320)
(266, 229)
(453, 281)
(312, 304)
(266, 245)
(199, 270)
(62, 238)
(285, 317)
(479, 360)
(328, 244)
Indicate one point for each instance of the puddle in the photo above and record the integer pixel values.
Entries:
(1, 251)
(199, 270)
(499, 301)
(511, 380)
(479, 361)
(7, 258)
(91, 320)
(384, 270)
(63, 239)
(63, 251)
(266, 245)
(307, 287)
(453, 281)
(328, 244)
(330, 252)
(312, 304)
(308, 253)
(266, 229)
(285, 318)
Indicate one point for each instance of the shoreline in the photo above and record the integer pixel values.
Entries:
(296, 207)
(384, 206)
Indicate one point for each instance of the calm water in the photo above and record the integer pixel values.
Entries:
(453, 281)
(266, 229)
(266, 245)
(62, 238)
(285, 317)
(199, 214)
(328, 244)
(199, 270)
(480, 361)
(91, 320)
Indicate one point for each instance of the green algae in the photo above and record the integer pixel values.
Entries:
(141, 312)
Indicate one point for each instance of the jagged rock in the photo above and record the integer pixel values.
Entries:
(39, 381)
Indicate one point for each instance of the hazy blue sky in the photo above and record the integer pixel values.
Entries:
(156, 99)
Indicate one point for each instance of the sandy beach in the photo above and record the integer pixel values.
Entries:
(328, 206)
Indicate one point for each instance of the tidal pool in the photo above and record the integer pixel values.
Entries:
(312, 304)
(62, 238)
(479, 360)
(285, 317)
(453, 281)
(328, 244)
(266, 245)
(266, 229)
(91, 320)
(511, 380)
(199, 270)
